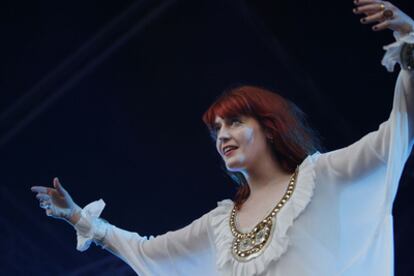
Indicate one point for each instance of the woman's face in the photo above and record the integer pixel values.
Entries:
(240, 141)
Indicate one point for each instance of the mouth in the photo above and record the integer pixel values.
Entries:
(230, 152)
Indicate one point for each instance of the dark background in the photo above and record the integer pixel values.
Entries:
(108, 95)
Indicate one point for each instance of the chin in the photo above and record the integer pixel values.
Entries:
(237, 163)
(234, 167)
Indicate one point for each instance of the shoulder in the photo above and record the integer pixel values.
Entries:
(311, 159)
(223, 207)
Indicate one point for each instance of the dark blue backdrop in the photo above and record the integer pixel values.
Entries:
(108, 95)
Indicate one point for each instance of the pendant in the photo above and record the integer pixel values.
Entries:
(247, 246)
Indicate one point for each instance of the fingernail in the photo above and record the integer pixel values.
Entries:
(355, 10)
(375, 28)
(356, 1)
(363, 20)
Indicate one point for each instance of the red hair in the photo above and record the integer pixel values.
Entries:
(291, 137)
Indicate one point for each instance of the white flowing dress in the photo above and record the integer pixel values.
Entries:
(337, 222)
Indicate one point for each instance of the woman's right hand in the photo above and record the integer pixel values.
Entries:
(57, 202)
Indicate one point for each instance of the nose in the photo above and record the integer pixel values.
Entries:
(223, 135)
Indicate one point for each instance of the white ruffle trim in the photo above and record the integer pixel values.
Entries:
(280, 241)
(392, 56)
(88, 227)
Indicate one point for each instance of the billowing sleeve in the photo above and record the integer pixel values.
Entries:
(187, 251)
(384, 151)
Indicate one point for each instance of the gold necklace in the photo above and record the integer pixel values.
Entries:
(247, 246)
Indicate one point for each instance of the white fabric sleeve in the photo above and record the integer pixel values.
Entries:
(174, 253)
(388, 147)
(89, 227)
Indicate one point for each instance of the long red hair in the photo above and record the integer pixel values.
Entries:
(291, 137)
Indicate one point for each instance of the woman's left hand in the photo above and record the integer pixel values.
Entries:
(384, 15)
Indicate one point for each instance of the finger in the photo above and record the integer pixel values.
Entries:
(59, 187)
(44, 204)
(376, 17)
(365, 2)
(382, 26)
(49, 212)
(40, 189)
(43, 197)
(369, 9)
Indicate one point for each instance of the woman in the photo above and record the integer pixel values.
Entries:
(297, 212)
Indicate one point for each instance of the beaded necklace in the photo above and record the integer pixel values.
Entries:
(247, 246)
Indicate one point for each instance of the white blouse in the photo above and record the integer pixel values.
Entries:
(338, 221)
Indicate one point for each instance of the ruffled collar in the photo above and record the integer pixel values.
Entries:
(279, 243)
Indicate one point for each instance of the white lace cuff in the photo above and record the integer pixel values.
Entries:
(393, 50)
(90, 227)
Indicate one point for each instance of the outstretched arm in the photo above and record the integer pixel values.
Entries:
(179, 252)
(175, 253)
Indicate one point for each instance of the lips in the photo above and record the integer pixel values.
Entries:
(227, 150)
(230, 152)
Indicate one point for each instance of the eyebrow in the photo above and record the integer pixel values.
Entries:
(226, 120)
(217, 123)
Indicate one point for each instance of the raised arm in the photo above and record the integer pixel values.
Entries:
(389, 147)
(372, 166)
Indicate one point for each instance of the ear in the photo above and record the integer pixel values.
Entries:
(269, 136)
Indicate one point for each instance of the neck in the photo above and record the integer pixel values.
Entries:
(266, 174)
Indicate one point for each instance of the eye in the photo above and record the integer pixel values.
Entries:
(228, 122)
(235, 121)
(215, 128)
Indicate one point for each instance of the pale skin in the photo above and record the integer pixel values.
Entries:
(373, 14)
(57, 202)
(253, 157)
